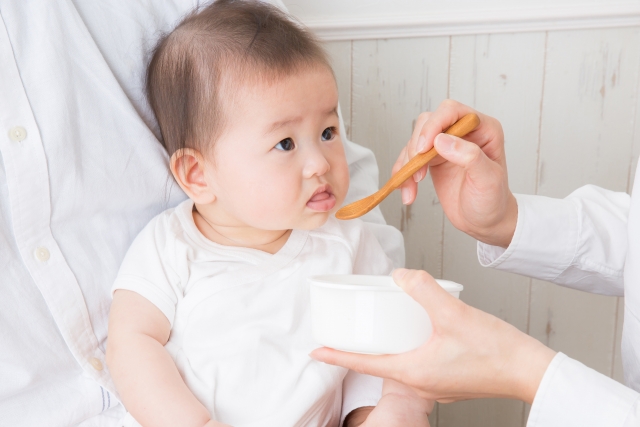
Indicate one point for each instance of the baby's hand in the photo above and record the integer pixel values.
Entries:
(399, 406)
(399, 410)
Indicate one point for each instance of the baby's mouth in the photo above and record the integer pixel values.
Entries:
(322, 200)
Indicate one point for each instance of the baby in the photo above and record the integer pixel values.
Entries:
(210, 322)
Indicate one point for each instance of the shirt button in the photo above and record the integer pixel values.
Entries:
(42, 254)
(18, 133)
(96, 363)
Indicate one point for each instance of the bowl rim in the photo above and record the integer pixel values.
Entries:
(333, 281)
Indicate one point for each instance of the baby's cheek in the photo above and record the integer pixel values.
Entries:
(342, 179)
(280, 195)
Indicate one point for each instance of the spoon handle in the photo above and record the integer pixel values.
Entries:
(460, 128)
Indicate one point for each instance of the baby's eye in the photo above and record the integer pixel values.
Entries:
(328, 134)
(285, 145)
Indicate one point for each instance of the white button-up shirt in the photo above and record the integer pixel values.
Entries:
(588, 241)
(81, 172)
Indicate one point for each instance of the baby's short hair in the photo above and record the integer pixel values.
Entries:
(210, 53)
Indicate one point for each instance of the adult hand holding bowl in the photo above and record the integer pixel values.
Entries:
(369, 314)
(470, 354)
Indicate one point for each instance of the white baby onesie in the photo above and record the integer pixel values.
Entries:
(241, 327)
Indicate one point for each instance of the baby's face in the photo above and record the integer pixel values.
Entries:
(280, 163)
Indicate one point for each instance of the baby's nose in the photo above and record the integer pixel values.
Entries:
(317, 164)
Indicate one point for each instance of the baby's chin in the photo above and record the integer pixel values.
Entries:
(307, 220)
(315, 220)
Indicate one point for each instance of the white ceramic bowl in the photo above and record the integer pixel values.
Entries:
(368, 314)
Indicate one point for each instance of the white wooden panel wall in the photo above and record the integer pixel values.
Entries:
(568, 101)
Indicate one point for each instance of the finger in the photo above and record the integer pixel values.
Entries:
(411, 145)
(422, 172)
(422, 119)
(467, 155)
(419, 176)
(417, 128)
(422, 287)
(440, 120)
(409, 188)
(409, 192)
(379, 366)
(401, 161)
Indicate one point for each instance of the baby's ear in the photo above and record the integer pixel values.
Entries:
(188, 166)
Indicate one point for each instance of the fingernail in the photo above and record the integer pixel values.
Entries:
(417, 177)
(422, 143)
(444, 143)
(406, 196)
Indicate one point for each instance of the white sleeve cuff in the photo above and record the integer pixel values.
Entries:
(149, 291)
(544, 243)
(572, 394)
(359, 390)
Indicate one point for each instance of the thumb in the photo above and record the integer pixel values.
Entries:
(462, 153)
(422, 287)
(376, 365)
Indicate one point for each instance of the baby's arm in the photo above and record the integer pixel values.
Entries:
(147, 379)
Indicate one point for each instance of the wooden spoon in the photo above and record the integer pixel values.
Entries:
(356, 209)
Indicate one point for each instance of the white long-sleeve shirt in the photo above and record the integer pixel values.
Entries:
(81, 173)
(588, 241)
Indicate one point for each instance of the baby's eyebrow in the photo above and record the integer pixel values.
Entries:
(277, 125)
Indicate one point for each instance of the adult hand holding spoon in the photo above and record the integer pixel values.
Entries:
(460, 128)
(470, 176)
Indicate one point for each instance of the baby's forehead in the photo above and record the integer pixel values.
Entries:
(252, 78)
(311, 90)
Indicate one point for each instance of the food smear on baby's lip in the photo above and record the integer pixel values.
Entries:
(322, 200)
